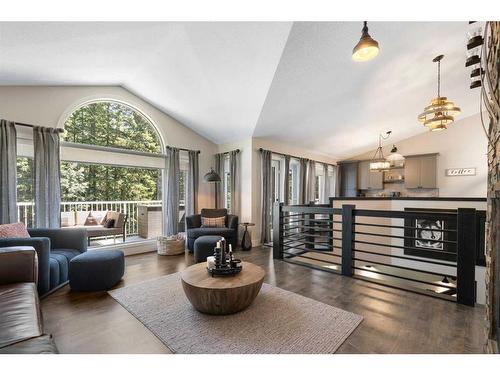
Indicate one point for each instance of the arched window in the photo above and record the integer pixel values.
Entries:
(112, 124)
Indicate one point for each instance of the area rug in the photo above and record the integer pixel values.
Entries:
(278, 321)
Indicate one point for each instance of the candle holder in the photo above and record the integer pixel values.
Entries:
(225, 264)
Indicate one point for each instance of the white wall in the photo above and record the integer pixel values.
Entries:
(462, 145)
(51, 105)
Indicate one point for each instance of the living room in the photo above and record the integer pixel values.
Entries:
(299, 186)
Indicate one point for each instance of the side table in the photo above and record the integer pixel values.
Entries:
(246, 241)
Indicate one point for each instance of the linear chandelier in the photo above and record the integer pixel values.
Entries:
(441, 112)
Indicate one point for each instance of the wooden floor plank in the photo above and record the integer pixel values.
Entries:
(395, 321)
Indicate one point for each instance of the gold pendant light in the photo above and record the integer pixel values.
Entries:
(367, 47)
(441, 112)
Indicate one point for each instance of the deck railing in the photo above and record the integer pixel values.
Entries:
(425, 251)
(26, 211)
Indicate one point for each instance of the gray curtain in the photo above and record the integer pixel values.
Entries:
(286, 178)
(266, 196)
(303, 195)
(327, 186)
(8, 174)
(193, 181)
(234, 175)
(219, 186)
(311, 181)
(336, 178)
(171, 192)
(47, 182)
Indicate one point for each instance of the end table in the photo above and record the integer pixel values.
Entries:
(246, 241)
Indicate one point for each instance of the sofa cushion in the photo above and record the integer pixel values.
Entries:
(20, 317)
(68, 253)
(54, 273)
(62, 274)
(15, 230)
(213, 222)
(37, 345)
(197, 232)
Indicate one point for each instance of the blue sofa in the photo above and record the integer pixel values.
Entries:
(194, 230)
(55, 248)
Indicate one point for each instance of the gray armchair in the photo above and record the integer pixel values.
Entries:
(55, 248)
(194, 230)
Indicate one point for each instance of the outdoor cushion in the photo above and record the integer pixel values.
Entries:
(15, 230)
(67, 219)
(100, 216)
(81, 217)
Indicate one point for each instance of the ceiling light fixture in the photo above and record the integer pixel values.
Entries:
(367, 47)
(441, 112)
(378, 162)
(395, 160)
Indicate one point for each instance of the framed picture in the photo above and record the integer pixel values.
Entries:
(426, 236)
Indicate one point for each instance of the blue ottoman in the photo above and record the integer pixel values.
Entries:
(204, 247)
(96, 270)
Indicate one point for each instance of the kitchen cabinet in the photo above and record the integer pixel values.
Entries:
(420, 172)
(348, 179)
(369, 180)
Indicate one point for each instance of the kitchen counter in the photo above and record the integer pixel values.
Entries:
(442, 199)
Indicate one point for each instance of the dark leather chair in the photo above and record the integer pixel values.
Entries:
(21, 323)
(55, 248)
(194, 229)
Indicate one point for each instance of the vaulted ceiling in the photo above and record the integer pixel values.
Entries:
(292, 82)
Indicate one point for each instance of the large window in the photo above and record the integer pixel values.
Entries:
(112, 124)
(110, 162)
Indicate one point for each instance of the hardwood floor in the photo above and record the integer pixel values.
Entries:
(395, 321)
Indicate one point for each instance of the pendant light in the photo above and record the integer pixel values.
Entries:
(367, 47)
(211, 176)
(378, 162)
(395, 160)
(441, 112)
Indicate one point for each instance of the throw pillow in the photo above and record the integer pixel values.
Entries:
(91, 221)
(213, 222)
(110, 223)
(16, 230)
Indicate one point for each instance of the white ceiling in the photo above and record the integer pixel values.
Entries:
(293, 82)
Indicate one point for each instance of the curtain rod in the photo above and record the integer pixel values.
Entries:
(296, 157)
(184, 149)
(60, 130)
(227, 152)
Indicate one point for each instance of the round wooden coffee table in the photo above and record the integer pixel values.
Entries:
(222, 295)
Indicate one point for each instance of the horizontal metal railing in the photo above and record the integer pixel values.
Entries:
(26, 211)
(384, 247)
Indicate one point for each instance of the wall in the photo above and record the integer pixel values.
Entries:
(462, 145)
(51, 105)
